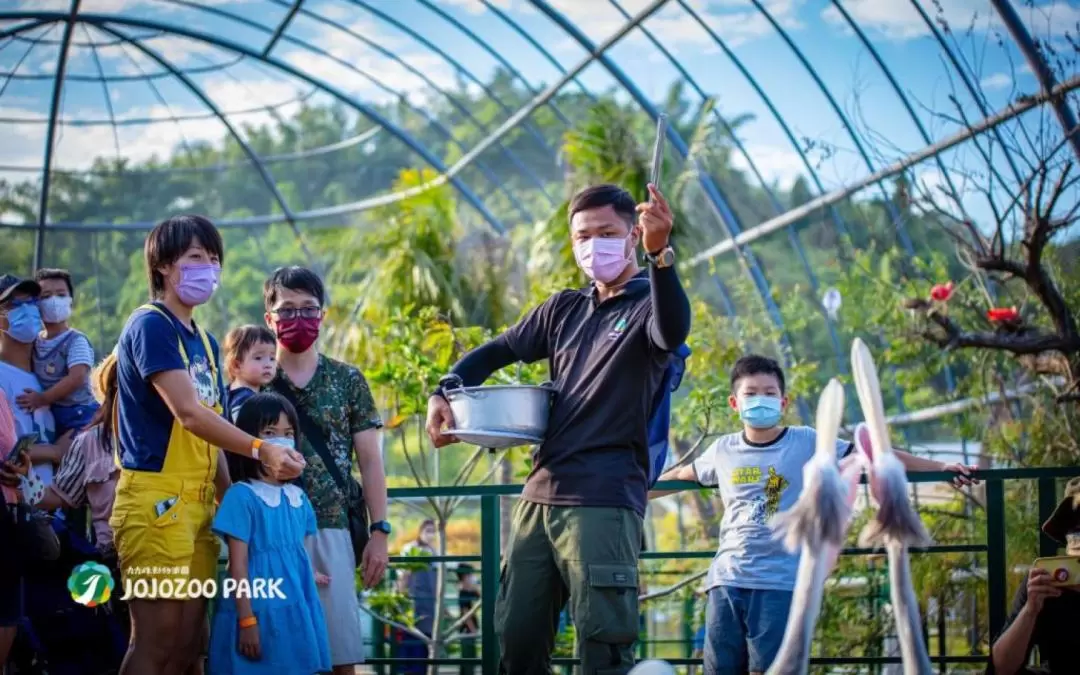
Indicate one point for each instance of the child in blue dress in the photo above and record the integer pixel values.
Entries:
(264, 523)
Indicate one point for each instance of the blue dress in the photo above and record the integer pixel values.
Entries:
(273, 520)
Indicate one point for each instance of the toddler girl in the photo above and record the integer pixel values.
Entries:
(264, 523)
(251, 362)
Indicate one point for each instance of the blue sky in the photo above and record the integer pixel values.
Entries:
(856, 82)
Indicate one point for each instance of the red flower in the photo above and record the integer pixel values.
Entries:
(942, 292)
(1003, 315)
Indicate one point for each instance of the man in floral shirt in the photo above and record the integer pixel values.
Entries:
(336, 397)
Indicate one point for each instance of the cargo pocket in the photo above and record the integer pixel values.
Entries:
(170, 540)
(610, 611)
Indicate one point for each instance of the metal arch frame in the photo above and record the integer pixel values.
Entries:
(528, 37)
(99, 20)
(1043, 73)
(773, 110)
(436, 124)
(195, 89)
(715, 198)
(282, 27)
(50, 136)
(901, 232)
(533, 131)
(137, 121)
(494, 53)
(793, 236)
(446, 175)
(904, 100)
(454, 102)
(104, 90)
(781, 121)
(267, 159)
(950, 382)
(973, 91)
(194, 70)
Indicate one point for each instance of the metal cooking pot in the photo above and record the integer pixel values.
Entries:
(499, 416)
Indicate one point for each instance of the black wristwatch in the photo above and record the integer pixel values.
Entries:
(447, 381)
(665, 257)
(380, 526)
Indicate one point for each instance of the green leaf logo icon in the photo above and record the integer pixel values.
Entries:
(90, 584)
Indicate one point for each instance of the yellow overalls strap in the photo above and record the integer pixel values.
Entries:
(180, 343)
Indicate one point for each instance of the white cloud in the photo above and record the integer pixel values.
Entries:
(776, 164)
(898, 19)
(996, 81)
(476, 6)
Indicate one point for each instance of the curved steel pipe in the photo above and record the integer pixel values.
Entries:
(793, 236)
(50, 137)
(263, 172)
(1033, 53)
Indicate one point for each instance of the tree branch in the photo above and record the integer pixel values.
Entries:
(396, 624)
(1030, 342)
(673, 588)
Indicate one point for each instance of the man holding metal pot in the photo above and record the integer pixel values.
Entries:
(577, 529)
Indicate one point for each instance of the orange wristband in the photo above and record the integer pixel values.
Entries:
(256, 445)
(248, 622)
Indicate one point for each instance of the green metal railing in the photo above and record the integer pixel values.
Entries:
(994, 549)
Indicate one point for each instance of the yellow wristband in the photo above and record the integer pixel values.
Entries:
(248, 622)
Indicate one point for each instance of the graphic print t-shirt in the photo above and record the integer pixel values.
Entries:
(755, 482)
(14, 381)
(148, 346)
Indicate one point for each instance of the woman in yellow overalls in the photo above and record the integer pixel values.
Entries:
(169, 431)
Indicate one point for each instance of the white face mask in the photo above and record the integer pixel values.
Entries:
(283, 441)
(55, 309)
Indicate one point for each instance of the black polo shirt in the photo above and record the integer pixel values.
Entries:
(606, 369)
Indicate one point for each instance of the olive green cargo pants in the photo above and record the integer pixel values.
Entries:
(587, 555)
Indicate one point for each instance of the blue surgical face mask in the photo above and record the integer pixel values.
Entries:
(24, 322)
(761, 412)
(282, 441)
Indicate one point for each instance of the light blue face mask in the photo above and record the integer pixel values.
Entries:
(761, 412)
(24, 322)
(283, 442)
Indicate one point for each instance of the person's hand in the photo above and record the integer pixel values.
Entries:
(31, 400)
(12, 472)
(321, 579)
(1039, 587)
(655, 219)
(248, 643)
(375, 560)
(282, 463)
(439, 415)
(963, 474)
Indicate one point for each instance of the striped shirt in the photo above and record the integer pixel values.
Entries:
(80, 353)
(87, 476)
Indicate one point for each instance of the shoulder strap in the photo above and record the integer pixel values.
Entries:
(179, 340)
(314, 434)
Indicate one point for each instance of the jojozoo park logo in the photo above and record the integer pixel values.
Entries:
(90, 584)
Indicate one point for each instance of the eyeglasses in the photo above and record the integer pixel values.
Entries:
(289, 313)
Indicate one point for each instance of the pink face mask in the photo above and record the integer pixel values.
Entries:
(602, 259)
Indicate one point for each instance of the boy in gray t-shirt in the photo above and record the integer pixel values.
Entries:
(758, 473)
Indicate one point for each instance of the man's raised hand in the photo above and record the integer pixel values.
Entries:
(656, 220)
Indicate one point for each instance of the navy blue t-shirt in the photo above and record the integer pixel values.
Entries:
(237, 398)
(148, 345)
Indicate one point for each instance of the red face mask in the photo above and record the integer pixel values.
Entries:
(297, 335)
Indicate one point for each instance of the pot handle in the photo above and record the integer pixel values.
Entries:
(451, 382)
